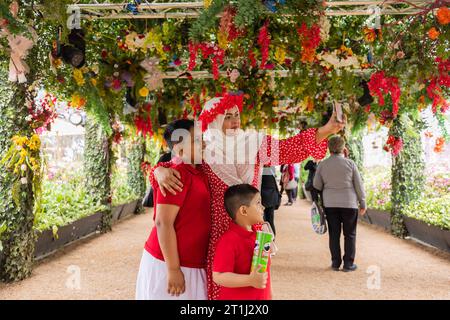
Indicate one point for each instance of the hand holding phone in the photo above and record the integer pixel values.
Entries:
(338, 111)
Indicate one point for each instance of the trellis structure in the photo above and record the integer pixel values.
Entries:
(181, 10)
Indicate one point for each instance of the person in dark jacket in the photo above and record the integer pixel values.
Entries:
(311, 166)
(270, 195)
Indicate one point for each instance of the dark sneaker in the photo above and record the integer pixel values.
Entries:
(335, 268)
(353, 267)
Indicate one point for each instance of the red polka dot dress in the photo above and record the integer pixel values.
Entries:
(272, 152)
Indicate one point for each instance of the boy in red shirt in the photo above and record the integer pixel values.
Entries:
(233, 256)
(173, 264)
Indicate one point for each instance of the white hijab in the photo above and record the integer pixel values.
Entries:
(231, 157)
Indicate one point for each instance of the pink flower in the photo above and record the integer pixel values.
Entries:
(400, 55)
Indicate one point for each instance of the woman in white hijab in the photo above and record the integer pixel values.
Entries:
(233, 156)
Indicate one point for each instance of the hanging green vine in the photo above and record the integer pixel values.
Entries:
(407, 171)
(17, 195)
(136, 179)
(98, 167)
(356, 150)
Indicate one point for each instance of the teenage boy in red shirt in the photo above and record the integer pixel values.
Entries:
(233, 257)
(173, 264)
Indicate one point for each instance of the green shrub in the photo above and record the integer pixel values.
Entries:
(433, 211)
(64, 200)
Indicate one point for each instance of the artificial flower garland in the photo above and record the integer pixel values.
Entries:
(394, 145)
(434, 90)
(228, 101)
(264, 43)
(310, 40)
(379, 84)
(209, 50)
(143, 121)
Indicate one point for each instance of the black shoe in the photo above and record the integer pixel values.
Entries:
(335, 268)
(353, 267)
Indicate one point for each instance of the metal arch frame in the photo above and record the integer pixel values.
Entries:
(99, 9)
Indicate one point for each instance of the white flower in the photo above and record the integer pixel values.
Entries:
(29, 118)
(18, 148)
(24, 180)
(116, 74)
(23, 167)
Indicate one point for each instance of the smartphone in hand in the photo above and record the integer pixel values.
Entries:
(338, 111)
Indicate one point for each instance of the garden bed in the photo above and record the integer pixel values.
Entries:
(47, 243)
(428, 234)
(417, 229)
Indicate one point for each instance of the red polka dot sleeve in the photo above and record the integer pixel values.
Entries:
(292, 150)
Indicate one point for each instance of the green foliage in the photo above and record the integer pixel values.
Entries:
(433, 211)
(356, 151)
(65, 200)
(408, 178)
(122, 191)
(136, 179)
(98, 162)
(18, 238)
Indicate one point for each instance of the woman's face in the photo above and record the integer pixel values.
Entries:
(232, 121)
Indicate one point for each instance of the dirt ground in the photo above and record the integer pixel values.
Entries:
(389, 268)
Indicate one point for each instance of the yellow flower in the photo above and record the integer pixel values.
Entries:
(78, 76)
(19, 141)
(143, 92)
(77, 101)
(34, 143)
(222, 40)
(207, 3)
(280, 55)
(94, 82)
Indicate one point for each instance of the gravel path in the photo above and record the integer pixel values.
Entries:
(389, 268)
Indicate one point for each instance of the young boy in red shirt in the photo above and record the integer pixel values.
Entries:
(233, 256)
(173, 264)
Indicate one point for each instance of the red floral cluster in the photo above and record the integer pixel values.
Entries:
(228, 101)
(227, 25)
(42, 112)
(143, 120)
(209, 50)
(310, 40)
(386, 116)
(251, 57)
(379, 84)
(434, 90)
(394, 145)
(264, 43)
(195, 103)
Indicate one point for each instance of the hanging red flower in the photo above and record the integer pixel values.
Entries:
(193, 49)
(228, 101)
(434, 90)
(394, 145)
(251, 57)
(208, 50)
(379, 84)
(227, 26)
(42, 112)
(264, 43)
(309, 40)
(143, 120)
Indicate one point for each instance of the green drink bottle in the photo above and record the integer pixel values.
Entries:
(261, 251)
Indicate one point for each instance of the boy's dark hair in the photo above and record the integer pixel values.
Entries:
(237, 196)
(171, 140)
